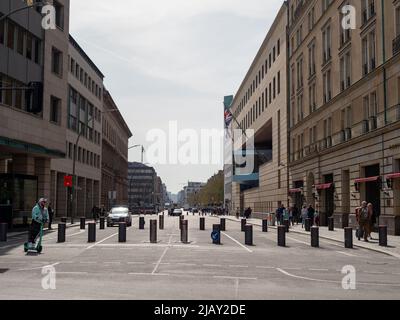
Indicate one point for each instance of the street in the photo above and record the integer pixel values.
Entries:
(170, 270)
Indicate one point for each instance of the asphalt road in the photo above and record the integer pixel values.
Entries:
(199, 270)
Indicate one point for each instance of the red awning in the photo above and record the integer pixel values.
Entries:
(393, 176)
(370, 179)
(324, 186)
(298, 190)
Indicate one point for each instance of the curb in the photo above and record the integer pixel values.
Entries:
(332, 239)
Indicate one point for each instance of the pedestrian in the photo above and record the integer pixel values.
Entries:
(364, 220)
(279, 213)
(285, 215)
(372, 214)
(316, 216)
(40, 216)
(237, 213)
(51, 215)
(304, 216)
(296, 214)
(291, 217)
(310, 214)
(249, 213)
(94, 213)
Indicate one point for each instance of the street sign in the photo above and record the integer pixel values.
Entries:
(68, 181)
(215, 235)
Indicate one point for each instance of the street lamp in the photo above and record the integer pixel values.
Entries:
(30, 4)
(138, 145)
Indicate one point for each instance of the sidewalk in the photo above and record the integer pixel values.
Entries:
(393, 248)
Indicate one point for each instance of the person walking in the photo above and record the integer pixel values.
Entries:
(311, 214)
(237, 213)
(51, 215)
(291, 216)
(304, 216)
(364, 220)
(40, 216)
(373, 219)
(279, 214)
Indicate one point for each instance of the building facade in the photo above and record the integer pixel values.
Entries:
(33, 82)
(83, 142)
(260, 105)
(114, 168)
(141, 185)
(344, 93)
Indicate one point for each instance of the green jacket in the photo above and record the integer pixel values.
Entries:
(40, 215)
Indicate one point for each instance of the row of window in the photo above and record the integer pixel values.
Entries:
(266, 98)
(20, 40)
(83, 156)
(113, 137)
(84, 78)
(276, 51)
(81, 116)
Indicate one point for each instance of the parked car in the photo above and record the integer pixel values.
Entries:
(119, 214)
(177, 212)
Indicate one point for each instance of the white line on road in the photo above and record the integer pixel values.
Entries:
(136, 263)
(262, 267)
(234, 278)
(162, 256)
(304, 278)
(233, 266)
(374, 272)
(236, 288)
(318, 269)
(71, 272)
(212, 265)
(298, 241)
(234, 240)
(105, 239)
(148, 274)
(347, 254)
(37, 268)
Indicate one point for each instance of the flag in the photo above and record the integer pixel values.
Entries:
(228, 118)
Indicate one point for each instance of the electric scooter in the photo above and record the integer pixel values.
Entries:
(29, 248)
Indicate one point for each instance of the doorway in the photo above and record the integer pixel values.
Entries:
(329, 200)
(372, 189)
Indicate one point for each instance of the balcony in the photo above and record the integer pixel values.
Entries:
(396, 45)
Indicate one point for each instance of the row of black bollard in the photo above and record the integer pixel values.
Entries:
(161, 222)
(153, 231)
(265, 225)
(202, 224)
(184, 231)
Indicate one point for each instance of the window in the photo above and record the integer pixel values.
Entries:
(345, 34)
(20, 41)
(72, 66)
(299, 73)
(345, 71)
(326, 4)
(55, 110)
(368, 10)
(326, 42)
(77, 71)
(70, 150)
(311, 59)
(274, 87)
(279, 82)
(397, 23)
(278, 45)
(300, 110)
(37, 49)
(311, 19)
(312, 97)
(369, 53)
(1, 31)
(28, 53)
(10, 35)
(59, 14)
(56, 61)
(327, 86)
(292, 79)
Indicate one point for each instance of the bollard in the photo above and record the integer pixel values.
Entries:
(265, 225)
(244, 222)
(181, 218)
(64, 220)
(122, 232)
(315, 237)
(383, 239)
(153, 231)
(281, 236)
(331, 223)
(83, 223)
(141, 223)
(248, 235)
(348, 238)
(223, 224)
(161, 222)
(308, 225)
(286, 223)
(92, 232)
(216, 234)
(102, 223)
(61, 232)
(3, 232)
(184, 231)
(202, 223)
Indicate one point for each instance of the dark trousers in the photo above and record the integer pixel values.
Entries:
(34, 231)
(50, 219)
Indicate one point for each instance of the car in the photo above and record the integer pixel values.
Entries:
(195, 210)
(177, 212)
(119, 214)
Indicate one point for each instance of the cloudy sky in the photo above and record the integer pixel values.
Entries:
(172, 60)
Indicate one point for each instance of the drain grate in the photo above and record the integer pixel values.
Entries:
(3, 270)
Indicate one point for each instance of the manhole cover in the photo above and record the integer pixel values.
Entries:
(3, 270)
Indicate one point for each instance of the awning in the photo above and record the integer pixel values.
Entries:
(324, 186)
(365, 180)
(298, 190)
(393, 176)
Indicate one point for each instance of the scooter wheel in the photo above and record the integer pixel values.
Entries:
(39, 249)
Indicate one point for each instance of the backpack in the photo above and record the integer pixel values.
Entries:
(364, 214)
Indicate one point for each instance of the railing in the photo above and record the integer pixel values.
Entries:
(357, 130)
(396, 45)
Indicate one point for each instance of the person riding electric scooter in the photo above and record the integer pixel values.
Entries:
(39, 217)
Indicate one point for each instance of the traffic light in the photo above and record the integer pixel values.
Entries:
(34, 97)
(68, 181)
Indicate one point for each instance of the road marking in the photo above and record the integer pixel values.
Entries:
(71, 272)
(105, 239)
(305, 278)
(374, 272)
(67, 236)
(234, 278)
(298, 241)
(88, 262)
(261, 267)
(112, 262)
(136, 263)
(347, 254)
(187, 264)
(234, 240)
(148, 274)
(162, 256)
(318, 269)
(236, 288)
(212, 265)
(37, 268)
(233, 266)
